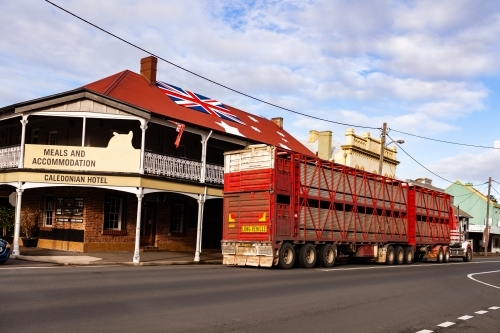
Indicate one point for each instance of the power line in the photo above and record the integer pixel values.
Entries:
(495, 189)
(478, 197)
(472, 193)
(423, 166)
(444, 141)
(205, 78)
(253, 97)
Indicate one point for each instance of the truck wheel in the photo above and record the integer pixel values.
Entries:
(327, 255)
(468, 255)
(286, 256)
(399, 255)
(408, 255)
(389, 257)
(447, 256)
(440, 256)
(307, 256)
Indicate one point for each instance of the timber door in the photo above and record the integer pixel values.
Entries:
(148, 225)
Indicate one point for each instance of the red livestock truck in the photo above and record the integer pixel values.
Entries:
(282, 207)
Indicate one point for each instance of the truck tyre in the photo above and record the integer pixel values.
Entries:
(408, 255)
(440, 256)
(307, 256)
(468, 255)
(446, 256)
(326, 255)
(286, 256)
(399, 255)
(389, 258)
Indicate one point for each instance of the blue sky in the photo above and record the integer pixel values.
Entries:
(424, 67)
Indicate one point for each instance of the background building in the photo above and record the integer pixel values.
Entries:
(473, 202)
(363, 152)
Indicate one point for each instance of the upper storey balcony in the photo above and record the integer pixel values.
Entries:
(111, 146)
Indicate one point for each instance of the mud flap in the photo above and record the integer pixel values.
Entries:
(240, 260)
(228, 259)
(266, 261)
(253, 261)
(382, 254)
(432, 254)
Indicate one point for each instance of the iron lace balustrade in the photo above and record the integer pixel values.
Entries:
(9, 157)
(214, 174)
(181, 168)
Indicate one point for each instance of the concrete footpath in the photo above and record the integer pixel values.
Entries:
(154, 258)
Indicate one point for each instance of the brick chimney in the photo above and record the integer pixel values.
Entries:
(148, 69)
(278, 121)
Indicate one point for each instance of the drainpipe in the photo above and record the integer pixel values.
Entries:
(204, 141)
(17, 223)
(201, 203)
(24, 121)
(137, 256)
(144, 127)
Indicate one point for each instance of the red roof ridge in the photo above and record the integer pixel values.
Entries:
(115, 82)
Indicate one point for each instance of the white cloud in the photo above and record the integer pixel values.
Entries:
(468, 166)
(419, 66)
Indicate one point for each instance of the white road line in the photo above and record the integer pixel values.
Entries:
(494, 308)
(465, 317)
(425, 331)
(446, 324)
(382, 266)
(490, 285)
(481, 312)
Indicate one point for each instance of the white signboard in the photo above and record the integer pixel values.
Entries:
(118, 156)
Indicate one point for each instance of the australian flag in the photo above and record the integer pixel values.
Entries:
(197, 102)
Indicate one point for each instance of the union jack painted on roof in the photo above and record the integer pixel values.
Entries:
(197, 102)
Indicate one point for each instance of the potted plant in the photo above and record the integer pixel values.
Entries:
(7, 223)
(29, 227)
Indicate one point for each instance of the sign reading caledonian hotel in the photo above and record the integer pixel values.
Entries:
(119, 156)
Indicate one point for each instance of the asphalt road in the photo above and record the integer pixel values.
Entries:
(215, 298)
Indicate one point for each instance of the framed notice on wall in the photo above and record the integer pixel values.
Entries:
(69, 206)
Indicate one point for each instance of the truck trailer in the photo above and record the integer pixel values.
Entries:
(286, 209)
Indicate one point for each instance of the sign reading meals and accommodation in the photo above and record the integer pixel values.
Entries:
(118, 156)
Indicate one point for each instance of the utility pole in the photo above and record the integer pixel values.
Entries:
(382, 146)
(459, 225)
(486, 232)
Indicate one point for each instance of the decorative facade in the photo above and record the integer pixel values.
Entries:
(363, 152)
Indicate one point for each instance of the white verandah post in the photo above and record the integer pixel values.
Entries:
(144, 127)
(24, 121)
(204, 140)
(137, 256)
(17, 223)
(201, 203)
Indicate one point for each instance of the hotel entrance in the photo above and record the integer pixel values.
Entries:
(148, 224)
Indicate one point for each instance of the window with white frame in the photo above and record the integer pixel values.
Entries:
(177, 217)
(52, 138)
(113, 213)
(49, 209)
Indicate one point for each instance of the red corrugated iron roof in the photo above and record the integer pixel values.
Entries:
(133, 89)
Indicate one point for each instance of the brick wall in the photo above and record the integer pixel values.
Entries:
(97, 239)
